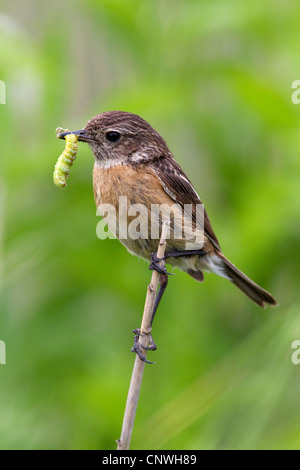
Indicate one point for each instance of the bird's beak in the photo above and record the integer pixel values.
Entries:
(82, 135)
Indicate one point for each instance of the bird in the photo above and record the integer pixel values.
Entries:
(133, 161)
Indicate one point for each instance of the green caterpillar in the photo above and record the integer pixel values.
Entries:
(66, 159)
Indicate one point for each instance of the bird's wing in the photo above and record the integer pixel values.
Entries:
(177, 185)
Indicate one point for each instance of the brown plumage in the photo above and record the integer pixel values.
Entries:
(133, 160)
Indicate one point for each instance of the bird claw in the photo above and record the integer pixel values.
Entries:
(137, 346)
(154, 265)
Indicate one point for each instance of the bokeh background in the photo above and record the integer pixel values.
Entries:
(214, 78)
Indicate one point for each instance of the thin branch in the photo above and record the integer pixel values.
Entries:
(138, 368)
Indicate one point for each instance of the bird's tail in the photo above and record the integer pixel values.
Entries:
(246, 285)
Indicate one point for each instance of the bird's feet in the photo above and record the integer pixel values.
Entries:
(155, 266)
(137, 347)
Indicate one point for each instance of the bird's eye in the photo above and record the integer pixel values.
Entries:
(113, 136)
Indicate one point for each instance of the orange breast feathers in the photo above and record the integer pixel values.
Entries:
(138, 183)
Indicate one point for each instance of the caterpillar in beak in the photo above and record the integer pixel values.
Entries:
(66, 159)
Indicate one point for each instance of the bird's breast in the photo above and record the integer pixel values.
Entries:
(137, 183)
(123, 187)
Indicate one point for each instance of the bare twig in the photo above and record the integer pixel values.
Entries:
(138, 369)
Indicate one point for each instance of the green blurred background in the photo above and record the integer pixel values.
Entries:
(214, 78)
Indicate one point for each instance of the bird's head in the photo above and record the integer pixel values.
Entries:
(118, 136)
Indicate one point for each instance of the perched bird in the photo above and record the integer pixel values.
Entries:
(132, 160)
